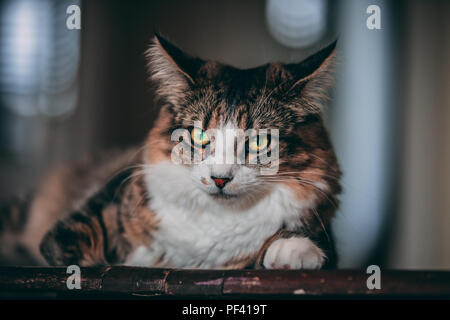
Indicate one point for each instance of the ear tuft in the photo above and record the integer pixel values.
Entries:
(314, 64)
(314, 77)
(171, 69)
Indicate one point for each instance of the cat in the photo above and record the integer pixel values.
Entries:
(148, 207)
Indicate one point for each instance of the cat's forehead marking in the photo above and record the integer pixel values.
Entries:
(248, 107)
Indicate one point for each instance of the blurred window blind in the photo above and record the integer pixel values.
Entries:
(39, 57)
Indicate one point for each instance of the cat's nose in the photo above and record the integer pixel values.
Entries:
(221, 181)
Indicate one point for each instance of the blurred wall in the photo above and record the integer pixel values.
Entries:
(421, 237)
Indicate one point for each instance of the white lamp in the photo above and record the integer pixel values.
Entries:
(296, 23)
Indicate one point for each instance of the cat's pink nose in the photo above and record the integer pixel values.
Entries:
(220, 182)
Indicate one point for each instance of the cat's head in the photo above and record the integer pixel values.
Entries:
(232, 135)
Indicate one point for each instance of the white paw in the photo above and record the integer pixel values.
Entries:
(293, 253)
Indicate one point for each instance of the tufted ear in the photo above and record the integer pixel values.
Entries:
(309, 81)
(313, 66)
(172, 70)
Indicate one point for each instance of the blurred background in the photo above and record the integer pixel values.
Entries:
(65, 94)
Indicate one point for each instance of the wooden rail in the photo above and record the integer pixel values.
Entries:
(146, 282)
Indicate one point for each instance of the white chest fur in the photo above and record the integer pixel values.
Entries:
(194, 231)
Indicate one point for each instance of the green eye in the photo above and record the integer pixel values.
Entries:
(199, 137)
(258, 143)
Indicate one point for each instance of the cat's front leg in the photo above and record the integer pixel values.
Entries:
(79, 240)
(289, 250)
(293, 253)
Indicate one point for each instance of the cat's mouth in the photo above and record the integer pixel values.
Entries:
(223, 196)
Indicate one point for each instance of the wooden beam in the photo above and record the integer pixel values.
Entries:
(135, 281)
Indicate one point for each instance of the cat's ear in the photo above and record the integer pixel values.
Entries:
(311, 79)
(172, 70)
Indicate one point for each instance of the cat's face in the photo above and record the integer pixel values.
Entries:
(233, 134)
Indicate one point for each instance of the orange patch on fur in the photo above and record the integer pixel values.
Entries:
(300, 190)
(158, 142)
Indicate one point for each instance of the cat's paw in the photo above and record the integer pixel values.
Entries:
(293, 253)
